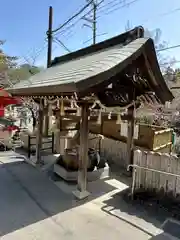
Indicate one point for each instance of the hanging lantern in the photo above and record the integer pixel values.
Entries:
(99, 118)
(118, 121)
(62, 113)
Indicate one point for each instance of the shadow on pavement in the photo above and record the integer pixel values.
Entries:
(121, 206)
(28, 196)
(161, 236)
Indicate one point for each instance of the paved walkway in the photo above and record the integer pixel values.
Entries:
(33, 207)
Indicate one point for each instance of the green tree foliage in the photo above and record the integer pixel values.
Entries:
(11, 72)
(22, 72)
(6, 62)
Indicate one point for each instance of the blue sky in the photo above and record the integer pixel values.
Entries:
(23, 24)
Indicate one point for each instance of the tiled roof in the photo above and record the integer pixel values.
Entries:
(90, 67)
(76, 71)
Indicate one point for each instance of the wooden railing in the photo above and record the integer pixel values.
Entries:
(47, 144)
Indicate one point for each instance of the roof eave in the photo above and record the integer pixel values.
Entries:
(161, 89)
(58, 90)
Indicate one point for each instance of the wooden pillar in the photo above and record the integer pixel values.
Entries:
(46, 122)
(82, 192)
(57, 133)
(59, 139)
(130, 137)
(50, 119)
(39, 133)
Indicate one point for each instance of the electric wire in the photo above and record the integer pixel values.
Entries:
(73, 17)
(109, 11)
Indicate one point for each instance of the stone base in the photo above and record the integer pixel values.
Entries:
(30, 161)
(100, 173)
(81, 195)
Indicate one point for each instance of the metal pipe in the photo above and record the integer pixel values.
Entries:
(152, 170)
(133, 183)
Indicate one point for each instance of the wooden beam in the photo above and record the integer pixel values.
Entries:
(104, 117)
(151, 74)
(83, 154)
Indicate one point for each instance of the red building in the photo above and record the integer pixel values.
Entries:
(5, 100)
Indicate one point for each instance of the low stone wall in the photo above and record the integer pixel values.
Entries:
(113, 151)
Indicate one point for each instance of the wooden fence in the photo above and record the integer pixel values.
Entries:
(114, 151)
(157, 172)
(47, 144)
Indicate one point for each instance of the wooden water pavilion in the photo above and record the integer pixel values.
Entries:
(119, 72)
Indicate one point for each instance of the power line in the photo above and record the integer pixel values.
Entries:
(115, 9)
(168, 48)
(82, 17)
(86, 14)
(122, 6)
(73, 17)
(93, 21)
(62, 44)
(67, 28)
(105, 11)
(33, 56)
(163, 14)
(98, 35)
(112, 3)
(170, 63)
(102, 7)
(73, 24)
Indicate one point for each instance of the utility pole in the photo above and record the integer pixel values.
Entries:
(49, 58)
(49, 37)
(92, 20)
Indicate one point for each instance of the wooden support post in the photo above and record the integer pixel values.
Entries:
(29, 146)
(53, 142)
(46, 122)
(81, 192)
(49, 57)
(58, 133)
(39, 133)
(130, 151)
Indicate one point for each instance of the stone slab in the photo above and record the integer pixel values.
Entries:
(81, 195)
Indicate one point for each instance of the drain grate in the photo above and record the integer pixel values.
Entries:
(172, 228)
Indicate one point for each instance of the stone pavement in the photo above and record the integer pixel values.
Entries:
(33, 207)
